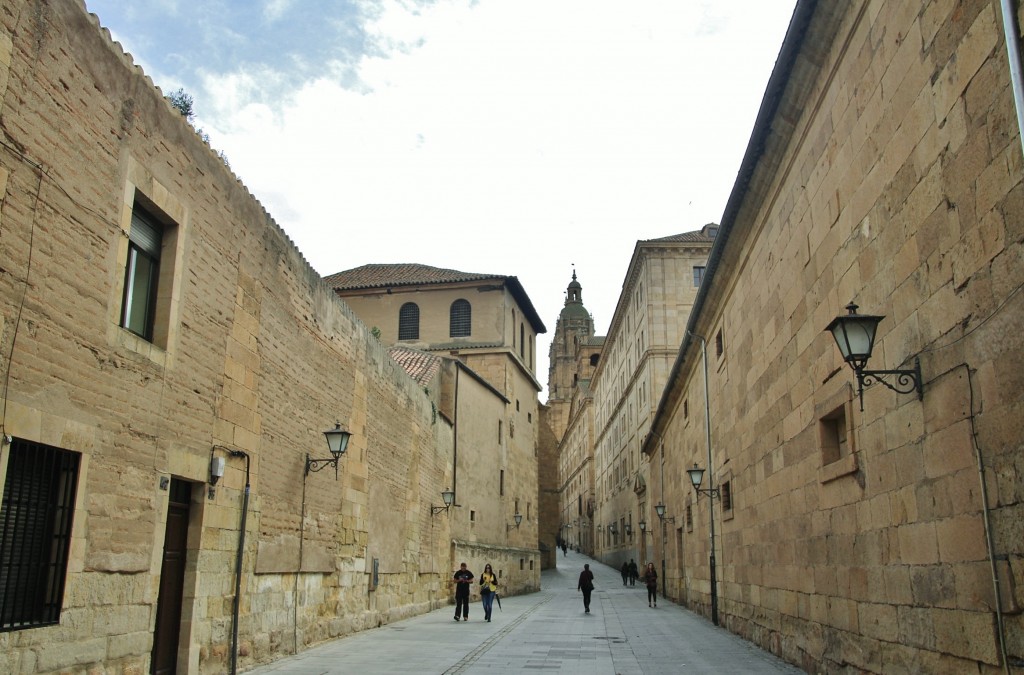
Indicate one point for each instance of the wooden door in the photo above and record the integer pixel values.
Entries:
(172, 581)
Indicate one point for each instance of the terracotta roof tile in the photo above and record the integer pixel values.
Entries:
(400, 274)
(381, 275)
(421, 366)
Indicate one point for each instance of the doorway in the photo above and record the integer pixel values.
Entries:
(164, 659)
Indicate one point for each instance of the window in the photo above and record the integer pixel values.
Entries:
(472, 516)
(522, 339)
(501, 483)
(833, 434)
(698, 276)
(460, 319)
(35, 533)
(499, 432)
(142, 274)
(686, 408)
(409, 322)
(689, 517)
(726, 492)
(719, 343)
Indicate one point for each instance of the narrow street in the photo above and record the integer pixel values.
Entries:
(546, 631)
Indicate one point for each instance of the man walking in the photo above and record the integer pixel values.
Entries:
(586, 584)
(463, 581)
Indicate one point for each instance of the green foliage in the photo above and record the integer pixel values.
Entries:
(184, 102)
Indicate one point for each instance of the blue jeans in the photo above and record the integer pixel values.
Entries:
(488, 600)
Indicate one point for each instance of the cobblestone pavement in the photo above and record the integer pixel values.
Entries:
(545, 631)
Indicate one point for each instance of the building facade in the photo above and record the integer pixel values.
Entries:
(487, 325)
(649, 320)
(847, 529)
(169, 365)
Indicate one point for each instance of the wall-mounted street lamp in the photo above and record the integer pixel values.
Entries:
(659, 508)
(613, 529)
(696, 478)
(337, 443)
(629, 530)
(518, 518)
(855, 336)
(448, 497)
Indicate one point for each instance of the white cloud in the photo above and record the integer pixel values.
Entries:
(508, 136)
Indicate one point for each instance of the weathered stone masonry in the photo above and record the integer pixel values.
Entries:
(252, 353)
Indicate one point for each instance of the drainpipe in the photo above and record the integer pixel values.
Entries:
(238, 565)
(711, 483)
(1010, 30)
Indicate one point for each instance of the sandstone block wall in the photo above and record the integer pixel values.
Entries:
(892, 177)
(253, 354)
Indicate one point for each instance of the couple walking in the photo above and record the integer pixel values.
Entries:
(488, 591)
(586, 586)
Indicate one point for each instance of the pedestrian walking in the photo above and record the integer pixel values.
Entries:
(625, 573)
(463, 580)
(488, 589)
(651, 579)
(634, 574)
(586, 584)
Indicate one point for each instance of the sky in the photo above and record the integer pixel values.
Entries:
(524, 138)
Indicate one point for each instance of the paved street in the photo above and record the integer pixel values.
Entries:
(545, 631)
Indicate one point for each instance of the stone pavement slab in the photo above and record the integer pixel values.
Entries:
(545, 631)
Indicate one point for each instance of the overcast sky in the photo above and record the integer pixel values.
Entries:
(513, 137)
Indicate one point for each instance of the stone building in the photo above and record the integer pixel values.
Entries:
(880, 533)
(487, 324)
(609, 386)
(169, 363)
(661, 282)
(572, 357)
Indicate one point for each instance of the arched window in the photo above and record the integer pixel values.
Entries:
(409, 322)
(460, 319)
(522, 339)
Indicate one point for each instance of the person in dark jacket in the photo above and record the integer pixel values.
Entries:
(586, 585)
(625, 573)
(634, 574)
(651, 579)
(463, 581)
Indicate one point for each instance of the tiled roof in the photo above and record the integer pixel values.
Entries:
(400, 274)
(414, 274)
(593, 340)
(697, 237)
(421, 366)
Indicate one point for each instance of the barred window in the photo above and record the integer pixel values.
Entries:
(409, 322)
(35, 533)
(461, 315)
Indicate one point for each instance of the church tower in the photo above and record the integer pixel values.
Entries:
(574, 324)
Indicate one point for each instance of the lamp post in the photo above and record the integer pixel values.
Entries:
(696, 475)
(855, 336)
(659, 508)
(448, 497)
(337, 443)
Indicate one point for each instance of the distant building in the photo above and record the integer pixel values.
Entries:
(604, 390)
(486, 326)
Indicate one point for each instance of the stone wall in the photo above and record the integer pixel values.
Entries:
(253, 354)
(887, 170)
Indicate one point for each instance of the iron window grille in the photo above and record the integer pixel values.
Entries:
(36, 517)
(409, 322)
(460, 319)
